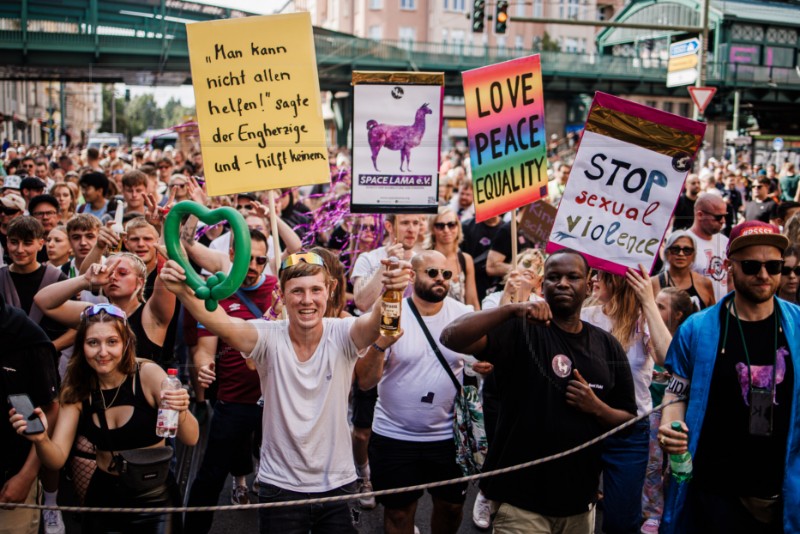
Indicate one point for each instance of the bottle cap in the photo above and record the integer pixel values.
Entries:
(676, 426)
(172, 372)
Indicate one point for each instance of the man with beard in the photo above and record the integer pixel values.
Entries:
(734, 365)
(562, 382)
(237, 414)
(412, 432)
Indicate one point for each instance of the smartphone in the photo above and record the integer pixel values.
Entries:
(23, 405)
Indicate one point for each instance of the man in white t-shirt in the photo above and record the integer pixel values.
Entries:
(709, 218)
(403, 232)
(412, 432)
(305, 364)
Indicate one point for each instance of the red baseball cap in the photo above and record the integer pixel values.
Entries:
(751, 233)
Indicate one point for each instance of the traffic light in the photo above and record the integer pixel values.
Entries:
(501, 17)
(478, 15)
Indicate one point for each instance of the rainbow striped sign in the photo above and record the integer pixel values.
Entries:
(507, 143)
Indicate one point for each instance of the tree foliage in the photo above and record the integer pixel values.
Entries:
(141, 113)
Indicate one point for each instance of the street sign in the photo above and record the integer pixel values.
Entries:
(777, 144)
(701, 96)
(684, 48)
(682, 63)
(681, 77)
(683, 60)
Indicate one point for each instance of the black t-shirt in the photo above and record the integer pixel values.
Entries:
(502, 241)
(684, 213)
(478, 239)
(167, 351)
(27, 284)
(4, 244)
(533, 366)
(33, 371)
(729, 461)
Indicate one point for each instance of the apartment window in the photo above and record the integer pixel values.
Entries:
(570, 45)
(538, 8)
(376, 4)
(667, 106)
(683, 109)
(375, 32)
(457, 38)
(408, 4)
(407, 35)
(501, 44)
(574, 9)
(520, 12)
(454, 5)
(518, 42)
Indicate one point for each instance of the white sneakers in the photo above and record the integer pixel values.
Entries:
(53, 522)
(482, 512)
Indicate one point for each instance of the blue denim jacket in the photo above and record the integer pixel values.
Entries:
(692, 355)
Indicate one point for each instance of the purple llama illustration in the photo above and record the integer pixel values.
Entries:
(402, 138)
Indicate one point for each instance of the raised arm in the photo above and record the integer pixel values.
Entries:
(160, 307)
(240, 335)
(471, 290)
(54, 300)
(467, 334)
(54, 445)
(660, 335)
(367, 290)
(366, 329)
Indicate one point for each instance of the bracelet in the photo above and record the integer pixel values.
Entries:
(272, 313)
(378, 348)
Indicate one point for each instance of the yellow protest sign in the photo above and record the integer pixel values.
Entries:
(258, 106)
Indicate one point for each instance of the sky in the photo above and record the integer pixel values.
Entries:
(184, 93)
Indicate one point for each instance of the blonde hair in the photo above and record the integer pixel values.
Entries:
(430, 242)
(534, 254)
(139, 267)
(622, 308)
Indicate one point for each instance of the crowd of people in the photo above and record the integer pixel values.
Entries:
(293, 379)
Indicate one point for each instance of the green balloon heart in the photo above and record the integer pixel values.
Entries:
(217, 286)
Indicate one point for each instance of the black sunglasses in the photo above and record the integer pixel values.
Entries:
(248, 207)
(8, 211)
(442, 226)
(753, 267)
(370, 227)
(260, 260)
(715, 216)
(677, 251)
(786, 271)
(447, 274)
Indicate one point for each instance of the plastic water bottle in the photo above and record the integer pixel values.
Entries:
(680, 464)
(167, 425)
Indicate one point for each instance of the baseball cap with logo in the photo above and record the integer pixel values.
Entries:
(12, 181)
(751, 233)
(13, 201)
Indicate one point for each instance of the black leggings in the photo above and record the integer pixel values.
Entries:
(106, 491)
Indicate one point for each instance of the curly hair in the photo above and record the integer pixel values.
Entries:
(80, 379)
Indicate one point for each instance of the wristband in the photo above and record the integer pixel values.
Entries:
(378, 348)
(273, 314)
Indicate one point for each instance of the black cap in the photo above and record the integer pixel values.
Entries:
(42, 199)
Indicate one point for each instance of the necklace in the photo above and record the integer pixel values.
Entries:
(116, 394)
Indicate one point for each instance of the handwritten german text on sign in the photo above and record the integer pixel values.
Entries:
(537, 221)
(624, 183)
(257, 98)
(505, 124)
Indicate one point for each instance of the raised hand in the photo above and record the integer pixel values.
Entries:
(174, 277)
(641, 285)
(98, 275)
(19, 424)
(397, 278)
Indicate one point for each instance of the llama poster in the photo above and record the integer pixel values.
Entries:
(396, 145)
(507, 144)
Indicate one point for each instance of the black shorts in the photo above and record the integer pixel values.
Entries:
(364, 406)
(396, 463)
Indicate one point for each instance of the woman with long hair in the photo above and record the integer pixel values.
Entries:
(66, 201)
(445, 236)
(680, 251)
(105, 379)
(522, 283)
(122, 280)
(627, 310)
(790, 275)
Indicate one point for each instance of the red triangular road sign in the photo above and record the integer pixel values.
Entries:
(702, 97)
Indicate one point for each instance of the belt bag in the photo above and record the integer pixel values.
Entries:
(143, 469)
(767, 511)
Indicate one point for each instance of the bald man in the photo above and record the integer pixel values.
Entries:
(709, 218)
(412, 432)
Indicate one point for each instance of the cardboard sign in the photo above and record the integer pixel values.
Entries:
(396, 142)
(257, 99)
(537, 221)
(507, 143)
(624, 183)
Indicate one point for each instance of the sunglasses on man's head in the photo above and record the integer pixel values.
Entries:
(716, 216)
(677, 251)
(447, 274)
(260, 260)
(110, 309)
(442, 225)
(786, 271)
(753, 267)
(302, 257)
